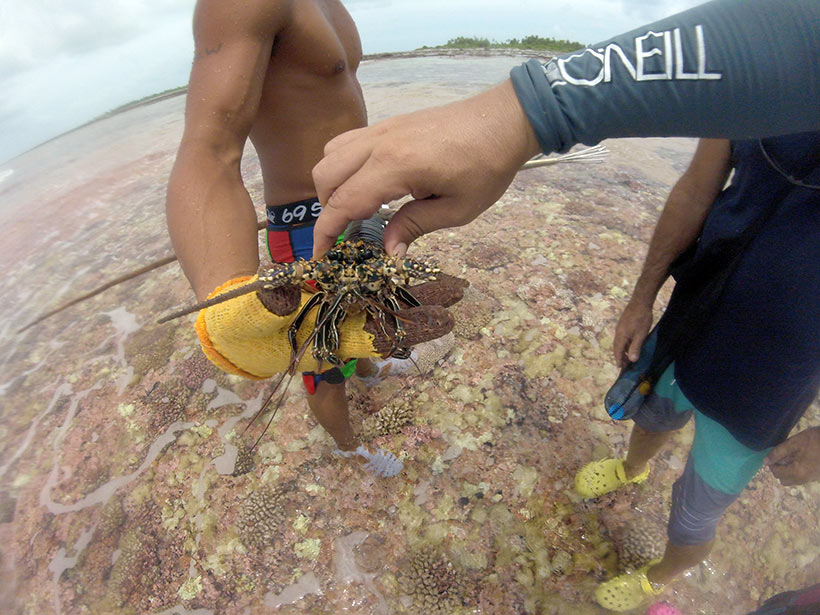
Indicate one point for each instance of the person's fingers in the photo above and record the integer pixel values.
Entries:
(635, 346)
(339, 141)
(420, 324)
(330, 224)
(356, 196)
(344, 156)
(422, 216)
(619, 346)
(445, 290)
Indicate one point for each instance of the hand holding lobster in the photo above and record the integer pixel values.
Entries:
(269, 323)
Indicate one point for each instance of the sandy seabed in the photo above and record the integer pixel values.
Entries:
(126, 488)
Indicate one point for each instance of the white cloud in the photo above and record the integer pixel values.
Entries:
(88, 69)
(38, 31)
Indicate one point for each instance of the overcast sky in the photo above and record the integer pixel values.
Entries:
(64, 62)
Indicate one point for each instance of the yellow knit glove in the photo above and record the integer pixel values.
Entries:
(241, 336)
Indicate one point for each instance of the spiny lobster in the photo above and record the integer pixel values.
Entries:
(356, 274)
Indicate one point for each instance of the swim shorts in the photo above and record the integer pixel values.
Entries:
(717, 470)
(290, 230)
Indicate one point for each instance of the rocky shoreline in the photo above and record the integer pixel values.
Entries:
(456, 52)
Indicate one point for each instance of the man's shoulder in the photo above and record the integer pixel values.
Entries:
(259, 17)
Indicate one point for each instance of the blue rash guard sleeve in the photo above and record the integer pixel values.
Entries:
(728, 68)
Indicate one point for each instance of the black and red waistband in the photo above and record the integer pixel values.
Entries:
(290, 229)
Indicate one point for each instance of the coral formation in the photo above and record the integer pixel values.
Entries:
(434, 584)
(136, 567)
(167, 402)
(111, 518)
(389, 420)
(536, 400)
(149, 348)
(487, 256)
(244, 459)
(195, 369)
(429, 354)
(561, 563)
(261, 516)
(472, 313)
(7, 506)
(641, 544)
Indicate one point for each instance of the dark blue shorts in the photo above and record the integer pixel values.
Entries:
(718, 469)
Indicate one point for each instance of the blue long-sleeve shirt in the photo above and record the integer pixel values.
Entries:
(728, 68)
(736, 69)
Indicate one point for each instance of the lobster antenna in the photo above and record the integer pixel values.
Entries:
(165, 260)
(296, 357)
(265, 405)
(221, 298)
(598, 153)
(275, 410)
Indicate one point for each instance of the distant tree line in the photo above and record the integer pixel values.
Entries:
(528, 42)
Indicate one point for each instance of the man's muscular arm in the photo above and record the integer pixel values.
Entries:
(729, 68)
(679, 225)
(211, 218)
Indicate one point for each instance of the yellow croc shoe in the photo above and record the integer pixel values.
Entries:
(602, 476)
(627, 591)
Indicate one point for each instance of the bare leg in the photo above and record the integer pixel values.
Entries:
(643, 445)
(329, 406)
(676, 559)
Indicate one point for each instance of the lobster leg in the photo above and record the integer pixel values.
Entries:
(405, 295)
(293, 329)
(327, 333)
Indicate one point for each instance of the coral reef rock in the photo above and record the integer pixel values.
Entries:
(561, 563)
(487, 256)
(244, 459)
(7, 506)
(640, 545)
(434, 584)
(472, 313)
(262, 516)
(389, 420)
(430, 353)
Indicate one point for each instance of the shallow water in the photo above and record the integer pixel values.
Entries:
(119, 442)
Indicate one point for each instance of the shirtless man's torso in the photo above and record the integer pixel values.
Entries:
(281, 73)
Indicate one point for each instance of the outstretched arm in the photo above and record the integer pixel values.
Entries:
(729, 68)
(454, 160)
(211, 218)
(679, 225)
